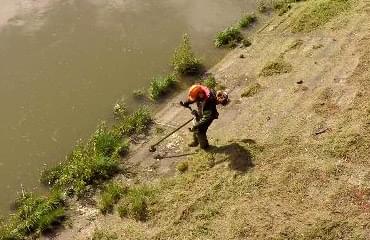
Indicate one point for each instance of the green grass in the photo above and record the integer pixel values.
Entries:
(110, 195)
(160, 86)
(276, 67)
(251, 90)
(184, 60)
(318, 13)
(136, 203)
(88, 163)
(135, 123)
(228, 37)
(33, 215)
(247, 20)
(210, 82)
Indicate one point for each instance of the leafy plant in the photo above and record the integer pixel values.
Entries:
(33, 215)
(210, 82)
(247, 20)
(159, 86)
(135, 123)
(229, 36)
(136, 203)
(184, 60)
(110, 195)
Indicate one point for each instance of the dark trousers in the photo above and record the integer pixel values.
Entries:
(200, 135)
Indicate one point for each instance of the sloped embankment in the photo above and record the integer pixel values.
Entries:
(290, 161)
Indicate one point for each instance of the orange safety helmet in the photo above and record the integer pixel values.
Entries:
(196, 91)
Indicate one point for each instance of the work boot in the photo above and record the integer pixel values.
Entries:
(195, 141)
(203, 141)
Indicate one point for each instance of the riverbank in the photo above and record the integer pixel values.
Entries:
(289, 159)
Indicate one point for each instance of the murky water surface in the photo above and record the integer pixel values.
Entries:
(63, 64)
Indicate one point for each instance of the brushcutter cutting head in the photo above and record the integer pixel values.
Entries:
(152, 149)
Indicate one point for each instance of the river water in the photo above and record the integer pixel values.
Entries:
(64, 63)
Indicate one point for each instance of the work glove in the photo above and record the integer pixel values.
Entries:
(186, 105)
(195, 113)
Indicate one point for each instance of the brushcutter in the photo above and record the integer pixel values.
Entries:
(152, 147)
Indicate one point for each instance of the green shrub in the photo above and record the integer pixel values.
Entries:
(184, 60)
(210, 82)
(87, 164)
(120, 109)
(229, 36)
(247, 20)
(136, 122)
(136, 203)
(159, 86)
(33, 215)
(110, 195)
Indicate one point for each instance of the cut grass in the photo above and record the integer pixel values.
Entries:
(251, 90)
(182, 166)
(184, 61)
(318, 13)
(160, 86)
(100, 234)
(110, 195)
(33, 215)
(276, 67)
(229, 37)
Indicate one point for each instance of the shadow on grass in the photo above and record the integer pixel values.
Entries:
(239, 158)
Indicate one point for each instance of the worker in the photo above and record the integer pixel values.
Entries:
(206, 100)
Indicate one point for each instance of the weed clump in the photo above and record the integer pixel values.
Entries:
(230, 36)
(251, 90)
(98, 159)
(135, 123)
(110, 195)
(319, 13)
(210, 82)
(247, 20)
(34, 215)
(136, 203)
(276, 67)
(184, 61)
(159, 86)
(182, 166)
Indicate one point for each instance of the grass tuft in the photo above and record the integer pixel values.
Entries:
(34, 215)
(159, 86)
(228, 37)
(184, 61)
(104, 235)
(110, 195)
(182, 166)
(276, 67)
(251, 90)
(319, 13)
(135, 123)
(210, 82)
(247, 20)
(136, 203)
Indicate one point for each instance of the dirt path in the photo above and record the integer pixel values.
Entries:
(303, 106)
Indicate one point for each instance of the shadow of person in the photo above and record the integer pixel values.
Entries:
(240, 158)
